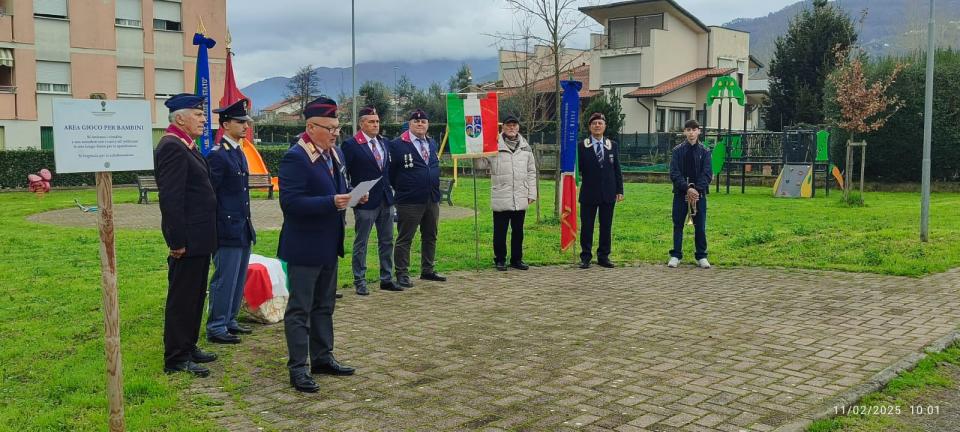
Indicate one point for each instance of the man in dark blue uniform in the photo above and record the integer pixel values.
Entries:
(601, 187)
(691, 172)
(367, 158)
(235, 233)
(313, 197)
(188, 209)
(415, 176)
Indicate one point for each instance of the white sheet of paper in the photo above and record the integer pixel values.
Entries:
(360, 190)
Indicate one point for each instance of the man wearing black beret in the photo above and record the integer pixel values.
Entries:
(415, 176)
(188, 211)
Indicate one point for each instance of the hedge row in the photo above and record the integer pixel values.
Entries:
(15, 165)
(282, 133)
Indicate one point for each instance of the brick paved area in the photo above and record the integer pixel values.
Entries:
(266, 215)
(630, 349)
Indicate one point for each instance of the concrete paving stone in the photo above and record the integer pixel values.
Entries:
(556, 344)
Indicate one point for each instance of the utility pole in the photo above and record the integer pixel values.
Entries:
(927, 134)
(396, 94)
(353, 62)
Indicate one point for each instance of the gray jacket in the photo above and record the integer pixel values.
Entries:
(513, 176)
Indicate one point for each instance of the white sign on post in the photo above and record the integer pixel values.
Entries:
(93, 135)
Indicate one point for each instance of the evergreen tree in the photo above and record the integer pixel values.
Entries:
(802, 60)
(609, 105)
(377, 95)
(461, 79)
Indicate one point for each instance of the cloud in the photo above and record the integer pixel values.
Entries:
(276, 37)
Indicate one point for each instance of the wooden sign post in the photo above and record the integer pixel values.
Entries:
(103, 136)
(111, 307)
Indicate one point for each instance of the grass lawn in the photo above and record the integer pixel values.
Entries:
(911, 392)
(51, 324)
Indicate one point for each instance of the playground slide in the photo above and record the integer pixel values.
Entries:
(837, 175)
(255, 162)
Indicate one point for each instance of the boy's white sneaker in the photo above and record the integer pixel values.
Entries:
(703, 263)
(674, 262)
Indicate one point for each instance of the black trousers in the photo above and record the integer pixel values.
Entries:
(501, 221)
(187, 290)
(409, 218)
(588, 214)
(308, 320)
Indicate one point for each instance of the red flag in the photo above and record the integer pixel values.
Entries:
(568, 211)
(232, 94)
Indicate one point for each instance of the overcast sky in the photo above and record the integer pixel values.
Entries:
(275, 37)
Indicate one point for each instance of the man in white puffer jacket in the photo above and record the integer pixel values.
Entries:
(513, 183)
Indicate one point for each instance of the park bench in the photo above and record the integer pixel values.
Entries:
(147, 184)
(446, 190)
(261, 181)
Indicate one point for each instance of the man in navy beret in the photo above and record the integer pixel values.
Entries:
(235, 234)
(313, 197)
(601, 187)
(415, 176)
(188, 209)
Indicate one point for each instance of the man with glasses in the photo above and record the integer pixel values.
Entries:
(366, 158)
(313, 196)
(415, 176)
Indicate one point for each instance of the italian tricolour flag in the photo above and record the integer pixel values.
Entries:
(472, 120)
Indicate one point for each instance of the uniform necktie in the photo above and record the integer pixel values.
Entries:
(329, 159)
(424, 151)
(599, 150)
(376, 153)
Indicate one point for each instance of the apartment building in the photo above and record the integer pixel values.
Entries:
(112, 49)
(664, 60)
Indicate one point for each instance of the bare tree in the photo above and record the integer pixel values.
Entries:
(303, 86)
(525, 102)
(560, 20)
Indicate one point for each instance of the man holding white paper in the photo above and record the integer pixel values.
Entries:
(367, 158)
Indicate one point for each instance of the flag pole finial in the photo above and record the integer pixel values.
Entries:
(200, 28)
(229, 40)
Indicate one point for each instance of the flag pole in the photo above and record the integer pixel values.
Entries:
(476, 217)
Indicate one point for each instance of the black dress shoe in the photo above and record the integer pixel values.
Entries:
(189, 367)
(239, 330)
(339, 295)
(433, 277)
(404, 282)
(199, 356)
(606, 263)
(331, 367)
(520, 265)
(501, 266)
(362, 290)
(584, 264)
(304, 383)
(224, 339)
(390, 286)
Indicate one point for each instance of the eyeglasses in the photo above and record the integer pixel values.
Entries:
(335, 130)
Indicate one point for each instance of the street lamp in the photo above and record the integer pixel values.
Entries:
(927, 134)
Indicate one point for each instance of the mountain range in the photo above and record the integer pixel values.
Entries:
(885, 27)
(336, 81)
